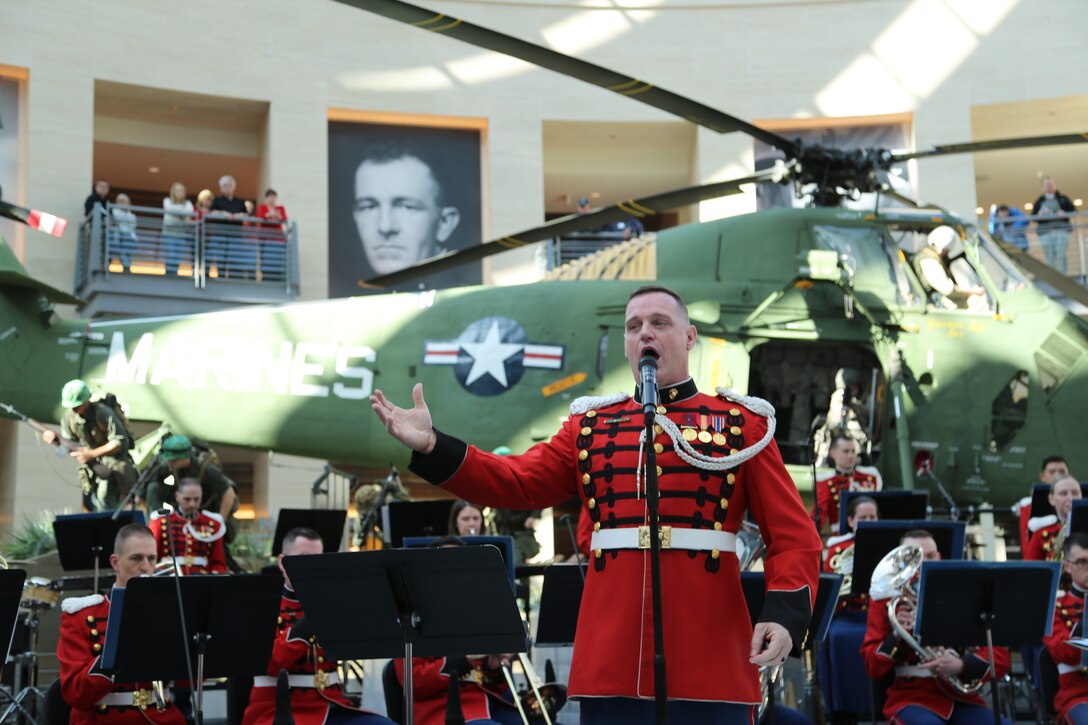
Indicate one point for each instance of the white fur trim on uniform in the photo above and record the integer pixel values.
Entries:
(590, 402)
(1041, 522)
(759, 406)
(1026, 501)
(161, 514)
(222, 530)
(71, 605)
(869, 470)
(839, 539)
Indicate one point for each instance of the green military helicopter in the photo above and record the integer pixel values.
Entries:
(782, 299)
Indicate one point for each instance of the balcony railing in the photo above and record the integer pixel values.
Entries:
(1060, 246)
(131, 258)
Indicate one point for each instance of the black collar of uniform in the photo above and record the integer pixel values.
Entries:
(671, 394)
(1075, 591)
(289, 594)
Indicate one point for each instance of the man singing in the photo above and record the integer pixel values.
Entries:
(716, 458)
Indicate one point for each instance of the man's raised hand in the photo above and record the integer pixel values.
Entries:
(412, 427)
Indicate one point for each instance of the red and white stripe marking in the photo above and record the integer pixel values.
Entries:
(47, 223)
(441, 353)
(544, 356)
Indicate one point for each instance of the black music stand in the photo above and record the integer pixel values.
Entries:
(560, 600)
(415, 518)
(754, 586)
(85, 541)
(11, 594)
(342, 595)
(983, 604)
(1040, 505)
(229, 627)
(892, 505)
(1078, 517)
(328, 523)
(505, 545)
(874, 539)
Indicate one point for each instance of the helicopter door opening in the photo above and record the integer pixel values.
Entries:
(817, 387)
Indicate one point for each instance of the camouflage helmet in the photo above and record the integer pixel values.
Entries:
(175, 448)
(74, 393)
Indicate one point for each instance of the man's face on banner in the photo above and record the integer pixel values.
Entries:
(398, 215)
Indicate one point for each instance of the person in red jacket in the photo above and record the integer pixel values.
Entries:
(1042, 546)
(316, 698)
(846, 476)
(919, 694)
(716, 459)
(93, 695)
(197, 535)
(1071, 702)
(1053, 468)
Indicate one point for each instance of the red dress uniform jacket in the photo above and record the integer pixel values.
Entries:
(884, 653)
(830, 486)
(430, 688)
(1041, 545)
(296, 651)
(82, 635)
(595, 455)
(837, 547)
(1073, 678)
(198, 542)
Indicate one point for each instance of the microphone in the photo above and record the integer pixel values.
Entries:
(648, 368)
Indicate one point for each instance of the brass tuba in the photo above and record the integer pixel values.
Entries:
(895, 579)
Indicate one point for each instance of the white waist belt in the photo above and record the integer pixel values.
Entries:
(187, 561)
(296, 680)
(912, 671)
(671, 538)
(130, 698)
(1064, 669)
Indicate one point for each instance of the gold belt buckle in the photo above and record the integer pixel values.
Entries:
(141, 699)
(321, 679)
(664, 536)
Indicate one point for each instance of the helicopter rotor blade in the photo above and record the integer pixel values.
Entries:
(639, 208)
(40, 220)
(542, 57)
(994, 145)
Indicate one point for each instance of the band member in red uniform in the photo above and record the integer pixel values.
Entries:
(716, 458)
(1071, 701)
(316, 698)
(846, 476)
(93, 695)
(198, 535)
(841, 665)
(1044, 543)
(1053, 468)
(919, 694)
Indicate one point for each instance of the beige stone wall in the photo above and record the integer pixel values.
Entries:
(931, 58)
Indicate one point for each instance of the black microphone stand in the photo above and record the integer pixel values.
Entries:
(130, 498)
(648, 367)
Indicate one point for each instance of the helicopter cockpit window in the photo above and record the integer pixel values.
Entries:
(867, 257)
(1009, 411)
(945, 271)
(1000, 269)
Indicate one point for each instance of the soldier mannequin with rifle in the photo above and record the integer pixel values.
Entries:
(96, 436)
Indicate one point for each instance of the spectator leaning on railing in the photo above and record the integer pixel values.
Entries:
(1009, 224)
(122, 241)
(1052, 211)
(177, 228)
(273, 240)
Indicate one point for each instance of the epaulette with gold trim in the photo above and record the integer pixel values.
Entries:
(591, 402)
(71, 605)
